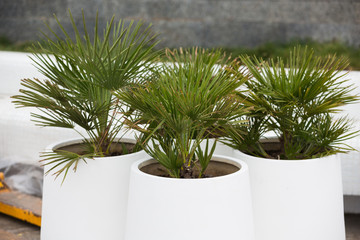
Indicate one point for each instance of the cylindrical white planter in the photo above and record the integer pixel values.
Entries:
(211, 208)
(91, 203)
(296, 199)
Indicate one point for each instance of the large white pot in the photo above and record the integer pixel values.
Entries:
(91, 203)
(211, 208)
(296, 199)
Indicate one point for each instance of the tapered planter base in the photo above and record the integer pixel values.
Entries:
(91, 203)
(296, 199)
(210, 208)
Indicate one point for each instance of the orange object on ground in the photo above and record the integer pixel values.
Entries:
(19, 205)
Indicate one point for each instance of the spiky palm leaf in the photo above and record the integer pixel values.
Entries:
(81, 74)
(189, 99)
(296, 100)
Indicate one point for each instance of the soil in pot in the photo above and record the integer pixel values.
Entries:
(275, 149)
(272, 147)
(116, 148)
(214, 169)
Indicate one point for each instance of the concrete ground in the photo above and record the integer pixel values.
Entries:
(12, 229)
(352, 224)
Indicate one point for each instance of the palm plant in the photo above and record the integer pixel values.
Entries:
(82, 72)
(188, 100)
(297, 101)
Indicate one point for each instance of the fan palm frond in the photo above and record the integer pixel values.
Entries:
(190, 98)
(83, 71)
(295, 99)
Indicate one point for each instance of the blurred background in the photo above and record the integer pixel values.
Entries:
(261, 27)
(206, 23)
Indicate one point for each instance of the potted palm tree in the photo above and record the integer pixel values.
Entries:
(83, 71)
(189, 100)
(295, 173)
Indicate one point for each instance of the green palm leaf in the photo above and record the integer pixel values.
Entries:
(296, 100)
(189, 98)
(82, 72)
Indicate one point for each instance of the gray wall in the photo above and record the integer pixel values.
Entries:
(206, 23)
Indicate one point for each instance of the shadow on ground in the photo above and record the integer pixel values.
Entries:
(13, 229)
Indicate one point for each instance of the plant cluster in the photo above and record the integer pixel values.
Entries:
(188, 99)
(82, 72)
(295, 100)
(100, 82)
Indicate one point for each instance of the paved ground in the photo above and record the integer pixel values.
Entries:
(352, 223)
(12, 229)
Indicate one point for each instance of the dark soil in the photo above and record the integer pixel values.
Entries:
(214, 169)
(273, 148)
(116, 148)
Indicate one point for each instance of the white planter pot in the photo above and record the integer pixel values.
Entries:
(296, 199)
(91, 203)
(210, 208)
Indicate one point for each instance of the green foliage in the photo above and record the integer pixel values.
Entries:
(82, 72)
(190, 98)
(63, 161)
(296, 100)
(7, 45)
(322, 49)
(264, 51)
(205, 156)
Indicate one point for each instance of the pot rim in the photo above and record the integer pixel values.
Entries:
(243, 168)
(286, 160)
(71, 141)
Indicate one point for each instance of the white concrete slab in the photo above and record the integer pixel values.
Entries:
(13, 67)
